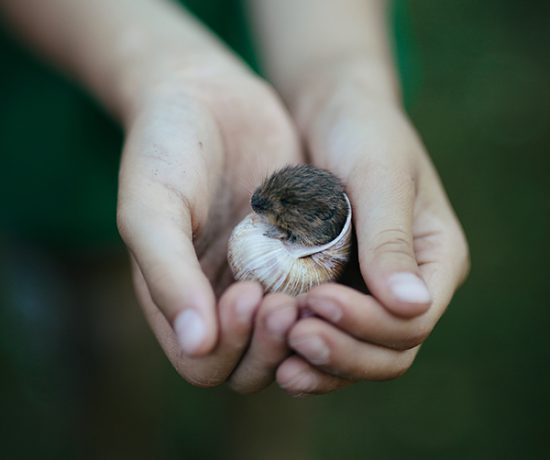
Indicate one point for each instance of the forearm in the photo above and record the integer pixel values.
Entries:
(115, 48)
(301, 39)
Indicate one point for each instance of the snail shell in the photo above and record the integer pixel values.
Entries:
(281, 266)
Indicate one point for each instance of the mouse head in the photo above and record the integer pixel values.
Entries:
(303, 202)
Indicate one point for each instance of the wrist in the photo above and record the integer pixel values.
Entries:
(172, 77)
(128, 53)
(343, 82)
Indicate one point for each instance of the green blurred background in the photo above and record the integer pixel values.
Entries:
(82, 377)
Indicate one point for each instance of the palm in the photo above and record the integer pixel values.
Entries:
(256, 139)
(194, 153)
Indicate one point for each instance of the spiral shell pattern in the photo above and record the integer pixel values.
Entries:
(281, 266)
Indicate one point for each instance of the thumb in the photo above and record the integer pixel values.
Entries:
(383, 204)
(163, 198)
(174, 281)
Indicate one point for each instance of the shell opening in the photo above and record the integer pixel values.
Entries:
(280, 267)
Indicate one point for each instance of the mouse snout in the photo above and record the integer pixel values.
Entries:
(259, 203)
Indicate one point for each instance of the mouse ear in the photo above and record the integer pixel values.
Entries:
(326, 214)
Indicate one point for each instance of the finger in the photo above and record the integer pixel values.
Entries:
(297, 377)
(366, 319)
(175, 282)
(339, 354)
(236, 309)
(268, 347)
(443, 255)
(383, 203)
(162, 189)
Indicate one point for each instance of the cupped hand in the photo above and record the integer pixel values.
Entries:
(412, 254)
(196, 147)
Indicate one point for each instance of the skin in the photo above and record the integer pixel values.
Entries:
(336, 74)
(305, 205)
(196, 119)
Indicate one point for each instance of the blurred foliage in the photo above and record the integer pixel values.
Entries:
(83, 378)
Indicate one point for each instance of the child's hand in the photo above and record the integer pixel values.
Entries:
(195, 149)
(334, 67)
(202, 132)
(411, 250)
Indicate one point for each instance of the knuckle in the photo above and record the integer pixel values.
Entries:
(180, 198)
(159, 281)
(307, 327)
(160, 301)
(124, 223)
(274, 301)
(242, 388)
(392, 240)
(458, 250)
(263, 89)
(203, 380)
(300, 384)
(238, 388)
(399, 367)
(398, 371)
(414, 335)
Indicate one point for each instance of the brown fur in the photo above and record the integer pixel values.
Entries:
(305, 204)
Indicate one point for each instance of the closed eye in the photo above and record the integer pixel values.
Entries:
(327, 214)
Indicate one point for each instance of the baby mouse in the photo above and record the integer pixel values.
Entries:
(305, 205)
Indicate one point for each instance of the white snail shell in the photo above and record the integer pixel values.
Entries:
(281, 266)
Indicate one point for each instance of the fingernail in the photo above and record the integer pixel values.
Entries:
(244, 308)
(409, 288)
(278, 322)
(299, 384)
(190, 330)
(314, 349)
(327, 309)
(297, 380)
